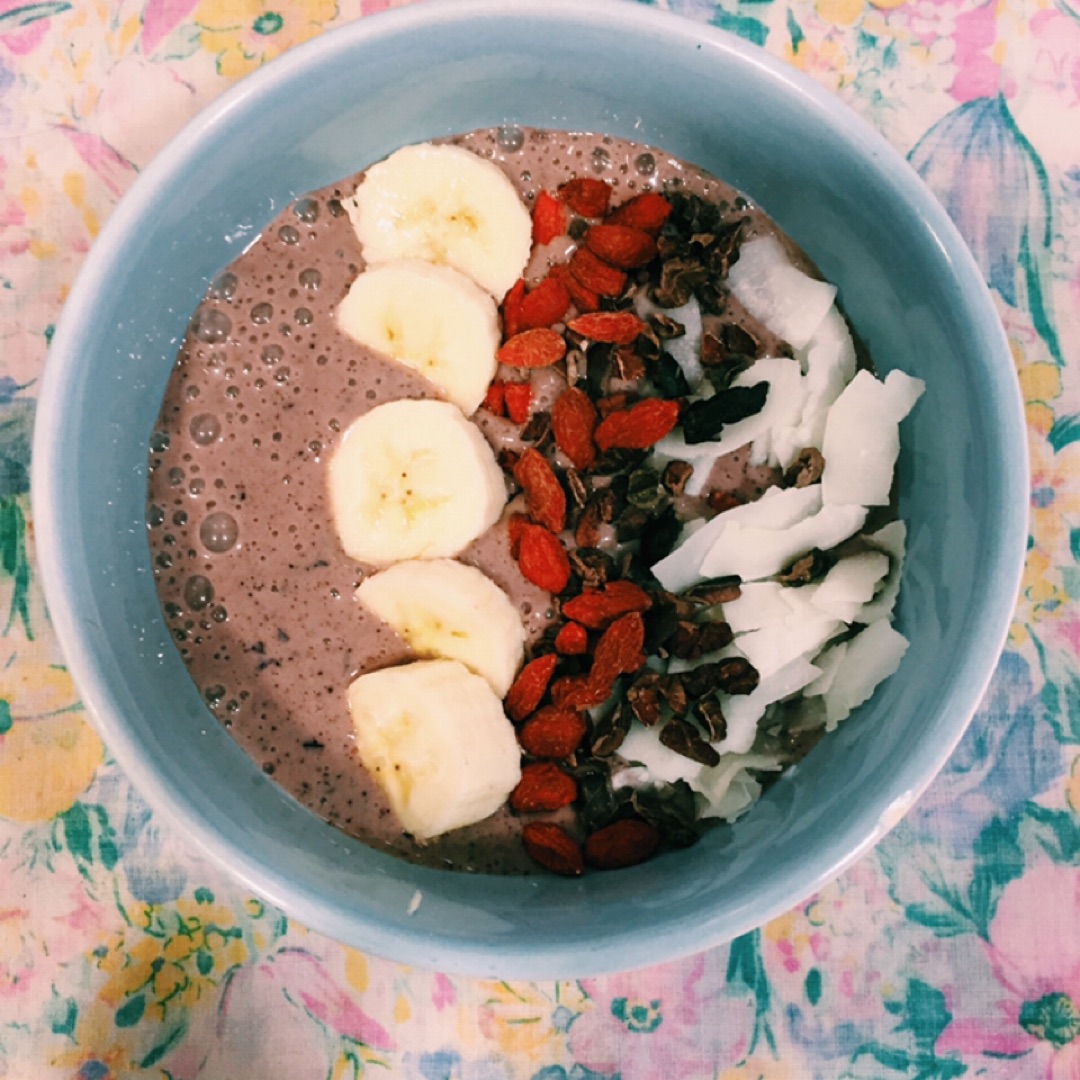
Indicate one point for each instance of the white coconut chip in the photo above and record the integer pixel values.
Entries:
(862, 438)
(790, 303)
(890, 539)
(743, 712)
(660, 764)
(871, 656)
(778, 508)
(850, 584)
(728, 787)
(752, 552)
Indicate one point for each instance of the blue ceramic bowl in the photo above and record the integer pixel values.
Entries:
(911, 288)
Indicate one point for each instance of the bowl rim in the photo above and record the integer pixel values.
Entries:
(537, 959)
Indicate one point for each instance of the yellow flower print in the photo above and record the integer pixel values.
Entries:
(1055, 496)
(48, 752)
(526, 1021)
(839, 12)
(246, 33)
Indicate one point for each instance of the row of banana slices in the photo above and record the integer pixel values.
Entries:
(444, 235)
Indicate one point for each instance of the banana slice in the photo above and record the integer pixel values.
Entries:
(443, 608)
(430, 318)
(443, 204)
(435, 738)
(413, 480)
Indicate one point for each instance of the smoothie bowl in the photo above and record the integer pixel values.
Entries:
(161, 557)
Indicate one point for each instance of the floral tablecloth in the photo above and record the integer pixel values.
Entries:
(952, 950)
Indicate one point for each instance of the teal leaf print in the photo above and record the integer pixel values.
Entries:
(812, 986)
(1066, 430)
(15, 562)
(931, 893)
(747, 968)
(19, 17)
(87, 834)
(999, 859)
(795, 32)
(163, 1047)
(131, 1012)
(923, 1017)
(981, 140)
(61, 1015)
(1061, 693)
(1056, 832)
(1074, 543)
(76, 826)
(746, 26)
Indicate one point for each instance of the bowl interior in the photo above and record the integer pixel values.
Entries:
(329, 108)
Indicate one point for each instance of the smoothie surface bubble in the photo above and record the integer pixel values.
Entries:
(288, 235)
(645, 164)
(262, 313)
(510, 137)
(205, 428)
(224, 287)
(198, 592)
(219, 531)
(307, 210)
(211, 325)
(310, 278)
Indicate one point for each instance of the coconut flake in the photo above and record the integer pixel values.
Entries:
(743, 712)
(728, 787)
(777, 509)
(850, 584)
(662, 765)
(862, 438)
(891, 539)
(871, 657)
(751, 552)
(766, 282)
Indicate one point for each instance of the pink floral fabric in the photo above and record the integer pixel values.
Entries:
(951, 950)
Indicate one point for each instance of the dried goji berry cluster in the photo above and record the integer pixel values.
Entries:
(595, 518)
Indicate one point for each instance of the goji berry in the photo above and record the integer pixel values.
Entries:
(545, 305)
(614, 402)
(552, 733)
(584, 299)
(586, 196)
(548, 218)
(639, 427)
(573, 421)
(595, 274)
(595, 608)
(617, 327)
(542, 559)
(495, 398)
(621, 245)
(578, 692)
(572, 640)
(544, 495)
(515, 523)
(528, 689)
(543, 786)
(622, 843)
(511, 309)
(553, 848)
(618, 652)
(647, 211)
(533, 349)
(518, 401)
